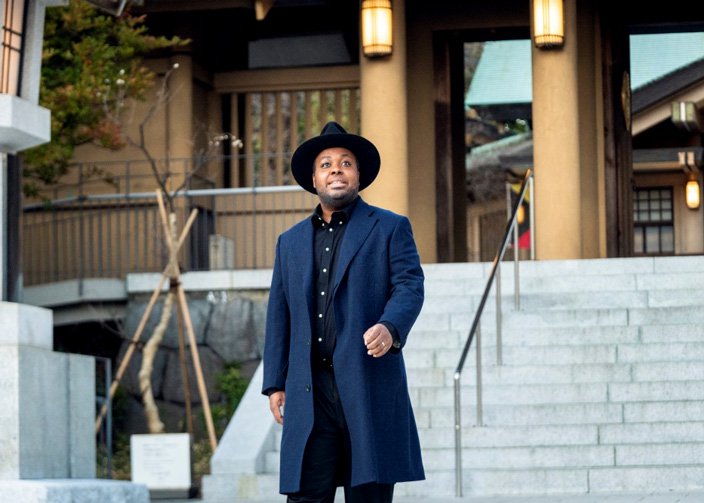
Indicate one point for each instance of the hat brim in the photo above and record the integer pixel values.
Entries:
(303, 159)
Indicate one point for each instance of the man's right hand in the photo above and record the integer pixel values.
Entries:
(277, 400)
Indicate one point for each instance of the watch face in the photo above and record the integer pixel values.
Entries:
(397, 344)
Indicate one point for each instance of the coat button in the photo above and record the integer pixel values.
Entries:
(307, 387)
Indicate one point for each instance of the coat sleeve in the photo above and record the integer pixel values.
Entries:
(406, 277)
(277, 334)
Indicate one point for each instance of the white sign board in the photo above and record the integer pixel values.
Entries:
(161, 460)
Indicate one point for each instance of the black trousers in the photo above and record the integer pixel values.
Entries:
(326, 461)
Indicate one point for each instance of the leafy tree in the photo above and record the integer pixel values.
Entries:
(92, 63)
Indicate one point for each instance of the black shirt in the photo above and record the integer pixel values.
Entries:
(327, 243)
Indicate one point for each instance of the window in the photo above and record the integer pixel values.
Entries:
(11, 46)
(653, 221)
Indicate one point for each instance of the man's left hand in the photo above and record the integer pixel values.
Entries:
(378, 340)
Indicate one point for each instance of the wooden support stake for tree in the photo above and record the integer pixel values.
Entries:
(150, 306)
(184, 371)
(175, 280)
(130, 351)
(198, 370)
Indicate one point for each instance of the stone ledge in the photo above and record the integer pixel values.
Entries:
(22, 124)
(73, 490)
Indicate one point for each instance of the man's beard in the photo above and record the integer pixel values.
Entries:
(337, 202)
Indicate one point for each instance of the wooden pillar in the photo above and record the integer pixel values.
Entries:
(556, 154)
(450, 186)
(618, 153)
(384, 118)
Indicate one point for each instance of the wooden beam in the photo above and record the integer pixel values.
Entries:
(618, 153)
(262, 7)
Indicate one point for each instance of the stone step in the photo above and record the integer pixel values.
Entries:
(533, 394)
(517, 320)
(575, 300)
(521, 355)
(498, 482)
(656, 391)
(551, 318)
(562, 355)
(560, 336)
(565, 435)
(598, 480)
(572, 456)
(542, 414)
(516, 394)
(420, 340)
(685, 453)
(558, 374)
(652, 479)
(549, 269)
(686, 332)
(656, 316)
(510, 436)
(564, 414)
(549, 374)
(640, 433)
(667, 371)
(511, 458)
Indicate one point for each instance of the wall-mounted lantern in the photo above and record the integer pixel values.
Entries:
(693, 194)
(690, 162)
(685, 115)
(377, 39)
(548, 24)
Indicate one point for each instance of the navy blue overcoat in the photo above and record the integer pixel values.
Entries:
(378, 278)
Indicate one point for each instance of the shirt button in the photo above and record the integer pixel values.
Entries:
(307, 387)
(325, 269)
(320, 315)
(330, 229)
(322, 293)
(320, 339)
(327, 249)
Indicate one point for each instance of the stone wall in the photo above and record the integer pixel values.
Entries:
(228, 326)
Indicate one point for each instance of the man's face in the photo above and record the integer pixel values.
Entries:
(336, 177)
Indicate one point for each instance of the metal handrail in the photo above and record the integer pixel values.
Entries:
(475, 330)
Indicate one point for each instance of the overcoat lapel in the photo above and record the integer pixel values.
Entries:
(361, 224)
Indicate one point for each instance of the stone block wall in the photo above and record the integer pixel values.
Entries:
(48, 401)
(229, 328)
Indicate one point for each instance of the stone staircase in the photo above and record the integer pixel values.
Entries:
(601, 389)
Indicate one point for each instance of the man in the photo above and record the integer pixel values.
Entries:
(346, 289)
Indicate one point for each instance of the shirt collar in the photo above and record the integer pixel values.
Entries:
(338, 217)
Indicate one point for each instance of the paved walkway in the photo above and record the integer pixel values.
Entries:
(688, 497)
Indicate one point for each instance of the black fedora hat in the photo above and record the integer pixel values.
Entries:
(334, 135)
